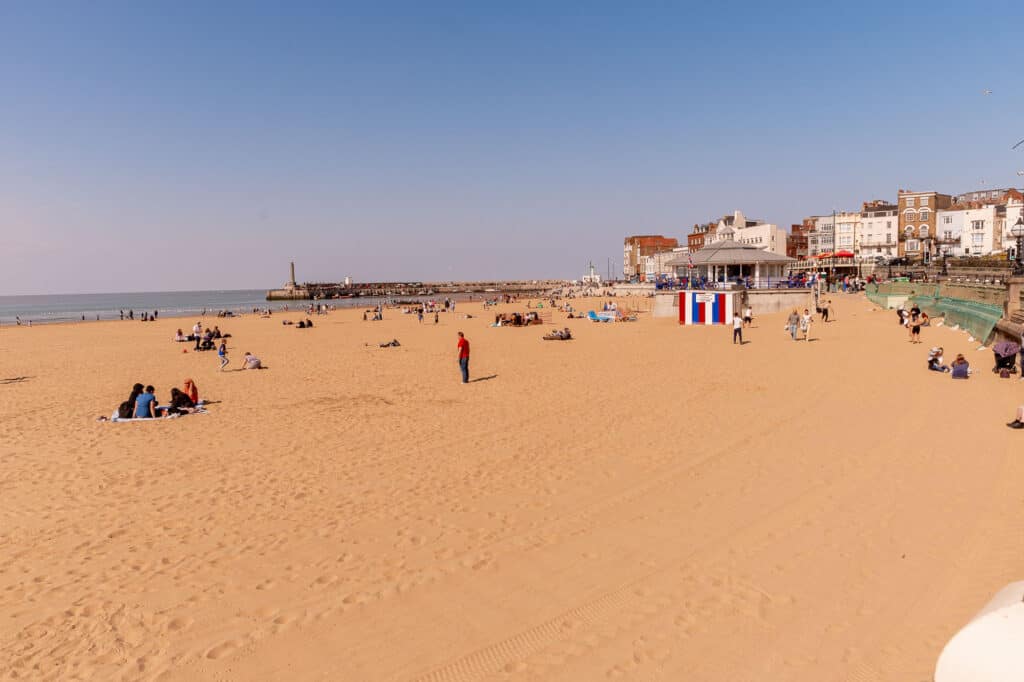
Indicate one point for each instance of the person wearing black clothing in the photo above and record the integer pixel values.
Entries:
(181, 403)
(125, 410)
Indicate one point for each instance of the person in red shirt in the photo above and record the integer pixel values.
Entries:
(464, 357)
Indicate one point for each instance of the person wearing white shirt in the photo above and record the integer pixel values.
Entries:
(805, 324)
(737, 328)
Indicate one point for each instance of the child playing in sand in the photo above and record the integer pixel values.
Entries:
(250, 361)
(222, 353)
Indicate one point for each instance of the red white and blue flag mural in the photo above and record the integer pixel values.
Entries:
(705, 307)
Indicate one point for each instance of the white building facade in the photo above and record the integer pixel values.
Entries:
(822, 238)
(656, 264)
(879, 229)
(766, 236)
(969, 231)
(847, 228)
(1014, 211)
(737, 227)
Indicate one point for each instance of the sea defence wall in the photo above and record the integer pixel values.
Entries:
(764, 301)
(976, 308)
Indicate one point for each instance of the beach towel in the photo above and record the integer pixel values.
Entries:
(200, 409)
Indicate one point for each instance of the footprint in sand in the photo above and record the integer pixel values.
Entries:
(222, 650)
(179, 624)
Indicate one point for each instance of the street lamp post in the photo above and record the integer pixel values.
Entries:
(1018, 232)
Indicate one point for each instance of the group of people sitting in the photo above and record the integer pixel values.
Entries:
(559, 335)
(204, 340)
(516, 319)
(960, 368)
(142, 402)
(302, 324)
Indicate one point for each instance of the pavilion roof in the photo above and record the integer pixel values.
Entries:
(729, 252)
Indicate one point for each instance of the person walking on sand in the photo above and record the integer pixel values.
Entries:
(792, 322)
(463, 347)
(222, 353)
(748, 315)
(737, 328)
(824, 311)
(805, 324)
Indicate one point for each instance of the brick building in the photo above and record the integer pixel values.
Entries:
(918, 211)
(796, 245)
(638, 247)
(700, 236)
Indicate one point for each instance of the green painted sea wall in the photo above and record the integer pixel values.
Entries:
(976, 309)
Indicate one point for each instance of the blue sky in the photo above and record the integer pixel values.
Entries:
(156, 146)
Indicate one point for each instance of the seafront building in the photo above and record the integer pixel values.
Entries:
(700, 235)
(920, 226)
(767, 236)
(796, 241)
(971, 229)
(1014, 202)
(847, 229)
(656, 264)
(821, 237)
(727, 258)
(917, 213)
(879, 226)
(638, 247)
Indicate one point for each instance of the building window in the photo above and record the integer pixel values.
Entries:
(947, 235)
(913, 245)
(909, 215)
(947, 219)
(888, 224)
(924, 215)
(924, 201)
(923, 232)
(978, 239)
(910, 201)
(888, 238)
(977, 224)
(908, 230)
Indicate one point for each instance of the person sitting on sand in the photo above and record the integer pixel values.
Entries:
(191, 390)
(145, 404)
(961, 368)
(181, 403)
(126, 409)
(250, 361)
(180, 337)
(935, 360)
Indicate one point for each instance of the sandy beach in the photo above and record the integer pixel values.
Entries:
(645, 502)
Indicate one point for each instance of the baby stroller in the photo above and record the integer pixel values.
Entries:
(1006, 355)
